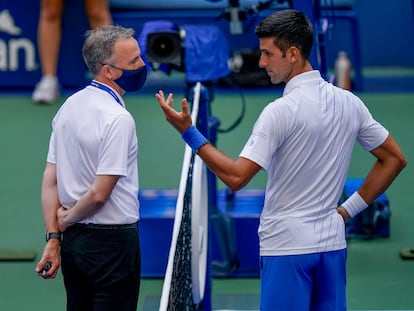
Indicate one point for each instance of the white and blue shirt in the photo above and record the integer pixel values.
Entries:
(304, 140)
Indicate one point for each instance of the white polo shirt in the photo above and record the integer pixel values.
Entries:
(93, 135)
(304, 140)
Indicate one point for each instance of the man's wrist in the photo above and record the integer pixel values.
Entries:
(54, 235)
(354, 204)
(194, 138)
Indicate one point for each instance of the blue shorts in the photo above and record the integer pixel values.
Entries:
(314, 282)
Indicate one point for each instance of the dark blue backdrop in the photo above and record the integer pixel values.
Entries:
(386, 31)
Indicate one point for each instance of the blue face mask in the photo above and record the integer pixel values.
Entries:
(132, 80)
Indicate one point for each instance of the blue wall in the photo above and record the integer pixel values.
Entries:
(386, 34)
(386, 31)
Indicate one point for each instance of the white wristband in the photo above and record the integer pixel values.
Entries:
(354, 204)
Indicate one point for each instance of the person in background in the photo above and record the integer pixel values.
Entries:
(47, 90)
(304, 141)
(90, 184)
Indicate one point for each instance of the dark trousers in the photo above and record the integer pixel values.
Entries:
(101, 268)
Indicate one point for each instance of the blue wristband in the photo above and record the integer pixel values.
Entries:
(194, 138)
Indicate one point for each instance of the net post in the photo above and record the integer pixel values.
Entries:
(209, 130)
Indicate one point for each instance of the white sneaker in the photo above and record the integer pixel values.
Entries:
(47, 90)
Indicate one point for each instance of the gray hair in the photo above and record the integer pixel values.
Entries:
(99, 45)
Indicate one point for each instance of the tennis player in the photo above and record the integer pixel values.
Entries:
(304, 141)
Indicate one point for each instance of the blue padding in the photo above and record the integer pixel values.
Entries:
(239, 210)
(181, 4)
(206, 53)
(209, 4)
(244, 203)
(374, 221)
(234, 235)
(157, 212)
(157, 203)
(167, 4)
(337, 3)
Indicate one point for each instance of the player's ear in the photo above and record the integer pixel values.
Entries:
(293, 54)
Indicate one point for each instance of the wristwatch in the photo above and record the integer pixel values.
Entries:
(54, 235)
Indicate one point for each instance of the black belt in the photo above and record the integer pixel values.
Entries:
(100, 226)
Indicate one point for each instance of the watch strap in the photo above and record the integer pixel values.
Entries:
(54, 235)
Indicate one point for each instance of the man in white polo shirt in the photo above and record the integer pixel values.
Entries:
(90, 183)
(304, 141)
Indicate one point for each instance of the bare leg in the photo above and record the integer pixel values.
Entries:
(49, 39)
(49, 35)
(98, 13)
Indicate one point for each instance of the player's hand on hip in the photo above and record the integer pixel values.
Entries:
(342, 211)
(179, 120)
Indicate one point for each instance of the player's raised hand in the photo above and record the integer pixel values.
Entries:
(179, 120)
